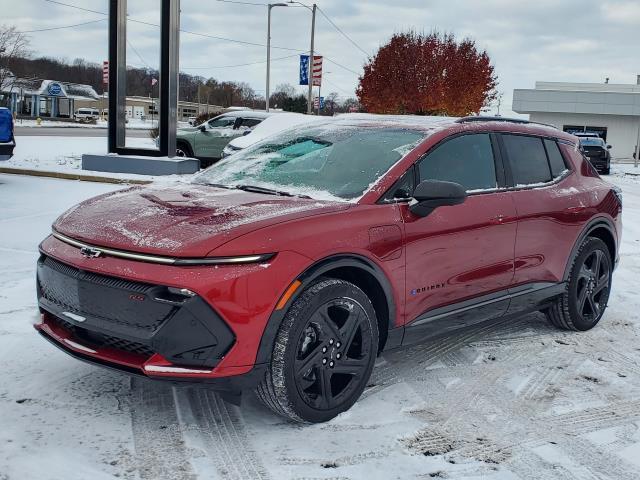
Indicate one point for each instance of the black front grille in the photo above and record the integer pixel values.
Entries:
(101, 340)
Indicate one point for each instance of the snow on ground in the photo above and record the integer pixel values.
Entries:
(513, 399)
(133, 124)
(64, 154)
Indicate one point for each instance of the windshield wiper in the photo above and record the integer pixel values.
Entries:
(268, 191)
(219, 185)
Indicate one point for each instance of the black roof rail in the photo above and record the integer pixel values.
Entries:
(487, 118)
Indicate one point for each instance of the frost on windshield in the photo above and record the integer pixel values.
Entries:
(327, 162)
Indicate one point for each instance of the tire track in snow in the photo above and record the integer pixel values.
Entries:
(217, 430)
(160, 452)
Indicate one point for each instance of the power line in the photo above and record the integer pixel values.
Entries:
(342, 32)
(241, 64)
(139, 56)
(75, 6)
(341, 66)
(243, 3)
(65, 26)
(325, 79)
(214, 37)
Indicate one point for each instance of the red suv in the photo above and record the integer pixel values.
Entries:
(287, 267)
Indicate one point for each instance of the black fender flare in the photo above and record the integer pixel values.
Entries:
(594, 223)
(310, 274)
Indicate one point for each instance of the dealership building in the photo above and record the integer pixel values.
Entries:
(32, 98)
(610, 110)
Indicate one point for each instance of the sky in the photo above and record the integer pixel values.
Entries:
(550, 40)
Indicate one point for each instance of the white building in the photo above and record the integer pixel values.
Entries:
(611, 110)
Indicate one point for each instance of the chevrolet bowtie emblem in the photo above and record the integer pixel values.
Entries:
(90, 252)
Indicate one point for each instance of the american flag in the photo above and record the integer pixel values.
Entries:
(317, 70)
(105, 72)
(154, 81)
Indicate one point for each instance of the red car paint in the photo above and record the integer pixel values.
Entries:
(490, 242)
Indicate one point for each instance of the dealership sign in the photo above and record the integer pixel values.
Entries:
(54, 89)
(304, 70)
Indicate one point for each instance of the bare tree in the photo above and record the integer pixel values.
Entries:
(13, 45)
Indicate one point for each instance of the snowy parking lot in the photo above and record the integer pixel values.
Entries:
(512, 399)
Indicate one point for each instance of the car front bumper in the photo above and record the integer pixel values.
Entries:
(131, 315)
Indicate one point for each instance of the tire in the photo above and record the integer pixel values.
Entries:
(323, 354)
(585, 299)
(183, 149)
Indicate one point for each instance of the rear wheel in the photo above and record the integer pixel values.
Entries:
(324, 353)
(583, 303)
(183, 149)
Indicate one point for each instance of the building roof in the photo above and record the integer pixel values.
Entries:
(580, 98)
(50, 88)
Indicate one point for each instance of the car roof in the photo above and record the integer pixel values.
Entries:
(248, 114)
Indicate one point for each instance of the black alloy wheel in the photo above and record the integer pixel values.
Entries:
(324, 353)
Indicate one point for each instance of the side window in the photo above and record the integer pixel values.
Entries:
(527, 158)
(403, 188)
(467, 160)
(222, 122)
(250, 122)
(555, 158)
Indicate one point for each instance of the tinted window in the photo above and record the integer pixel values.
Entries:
(250, 122)
(555, 158)
(527, 158)
(467, 160)
(222, 122)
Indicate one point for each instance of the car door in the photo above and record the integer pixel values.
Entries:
(459, 259)
(218, 132)
(551, 209)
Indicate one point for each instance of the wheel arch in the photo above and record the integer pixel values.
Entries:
(599, 227)
(354, 268)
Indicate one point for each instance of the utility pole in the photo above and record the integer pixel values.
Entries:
(268, 88)
(313, 32)
(635, 160)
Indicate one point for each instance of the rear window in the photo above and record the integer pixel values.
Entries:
(556, 161)
(528, 159)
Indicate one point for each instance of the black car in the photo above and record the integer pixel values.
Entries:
(597, 151)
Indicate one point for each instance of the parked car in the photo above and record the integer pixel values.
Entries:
(291, 265)
(206, 141)
(7, 139)
(597, 151)
(86, 114)
(270, 126)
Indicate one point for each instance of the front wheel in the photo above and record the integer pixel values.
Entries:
(324, 353)
(582, 305)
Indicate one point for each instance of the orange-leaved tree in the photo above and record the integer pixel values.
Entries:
(428, 75)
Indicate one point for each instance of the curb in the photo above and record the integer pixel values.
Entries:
(71, 176)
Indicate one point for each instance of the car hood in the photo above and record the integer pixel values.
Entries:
(183, 220)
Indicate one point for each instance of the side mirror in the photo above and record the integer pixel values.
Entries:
(608, 147)
(202, 128)
(431, 194)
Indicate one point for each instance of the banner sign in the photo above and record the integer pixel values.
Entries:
(318, 104)
(304, 69)
(317, 70)
(105, 72)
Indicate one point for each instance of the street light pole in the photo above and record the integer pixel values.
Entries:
(310, 77)
(269, 7)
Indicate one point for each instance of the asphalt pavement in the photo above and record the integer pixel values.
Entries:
(72, 132)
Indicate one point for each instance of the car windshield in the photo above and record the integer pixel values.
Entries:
(329, 162)
(591, 142)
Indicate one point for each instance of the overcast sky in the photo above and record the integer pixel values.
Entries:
(568, 40)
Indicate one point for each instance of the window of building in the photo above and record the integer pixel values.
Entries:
(467, 160)
(528, 159)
